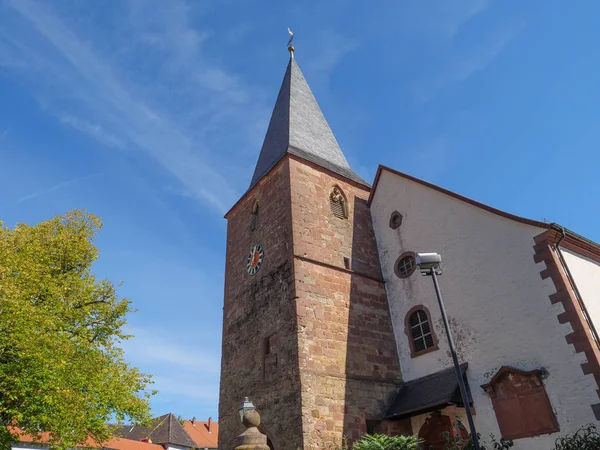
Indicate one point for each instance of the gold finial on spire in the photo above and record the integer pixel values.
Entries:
(290, 46)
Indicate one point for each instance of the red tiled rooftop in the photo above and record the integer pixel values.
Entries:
(113, 444)
(129, 444)
(204, 434)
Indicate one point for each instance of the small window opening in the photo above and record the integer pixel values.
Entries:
(420, 331)
(372, 426)
(337, 203)
(254, 216)
(346, 263)
(405, 265)
(395, 220)
(270, 357)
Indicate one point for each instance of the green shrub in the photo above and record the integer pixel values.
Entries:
(385, 442)
(467, 444)
(586, 438)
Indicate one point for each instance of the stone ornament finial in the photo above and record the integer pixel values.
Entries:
(252, 438)
(336, 195)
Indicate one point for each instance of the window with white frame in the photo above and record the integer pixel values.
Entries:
(420, 330)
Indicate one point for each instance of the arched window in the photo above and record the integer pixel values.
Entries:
(419, 330)
(337, 203)
(254, 216)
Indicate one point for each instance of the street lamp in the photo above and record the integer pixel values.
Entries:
(245, 406)
(429, 265)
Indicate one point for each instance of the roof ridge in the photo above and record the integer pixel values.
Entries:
(169, 428)
(463, 367)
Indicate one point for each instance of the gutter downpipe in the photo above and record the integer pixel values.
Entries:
(584, 310)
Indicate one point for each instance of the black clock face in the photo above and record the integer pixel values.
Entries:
(255, 259)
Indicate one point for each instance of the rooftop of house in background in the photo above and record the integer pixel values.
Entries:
(164, 432)
(204, 434)
(42, 440)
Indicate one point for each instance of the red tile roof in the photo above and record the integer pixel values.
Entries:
(44, 438)
(129, 444)
(204, 434)
(113, 444)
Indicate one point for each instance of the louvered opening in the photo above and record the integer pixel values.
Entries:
(337, 208)
(254, 216)
(337, 203)
(253, 222)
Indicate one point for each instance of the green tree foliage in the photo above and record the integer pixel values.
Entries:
(61, 367)
(385, 442)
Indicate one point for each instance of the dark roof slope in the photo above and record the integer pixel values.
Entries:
(163, 430)
(428, 393)
(298, 127)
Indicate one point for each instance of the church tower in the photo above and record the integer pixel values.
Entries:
(307, 334)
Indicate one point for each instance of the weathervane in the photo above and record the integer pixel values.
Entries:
(290, 46)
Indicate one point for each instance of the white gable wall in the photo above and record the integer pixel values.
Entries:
(177, 447)
(586, 274)
(497, 303)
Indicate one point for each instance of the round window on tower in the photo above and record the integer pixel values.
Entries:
(405, 265)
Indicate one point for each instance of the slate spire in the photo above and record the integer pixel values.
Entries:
(298, 127)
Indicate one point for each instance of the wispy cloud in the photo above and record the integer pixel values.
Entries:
(441, 22)
(94, 130)
(174, 110)
(181, 369)
(187, 387)
(239, 32)
(481, 56)
(333, 47)
(58, 186)
(464, 63)
(431, 159)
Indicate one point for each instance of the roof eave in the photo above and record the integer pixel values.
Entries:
(361, 184)
(450, 193)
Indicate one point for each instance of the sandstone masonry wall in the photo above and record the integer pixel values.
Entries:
(347, 355)
(259, 311)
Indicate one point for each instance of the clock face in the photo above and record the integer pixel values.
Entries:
(255, 259)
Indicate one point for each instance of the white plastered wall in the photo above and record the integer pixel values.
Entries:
(586, 274)
(177, 447)
(497, 303)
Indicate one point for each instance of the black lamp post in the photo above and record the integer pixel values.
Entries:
(429, 265)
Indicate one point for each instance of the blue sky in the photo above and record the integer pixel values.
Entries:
(151, 114)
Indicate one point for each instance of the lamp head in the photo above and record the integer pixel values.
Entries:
(428, 262)
(245, 406)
